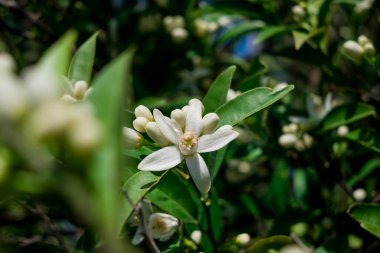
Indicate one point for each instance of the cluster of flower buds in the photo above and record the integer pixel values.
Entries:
(157, 225)
(77, 92)
(175, 25)
(293, 137)
(356, 50)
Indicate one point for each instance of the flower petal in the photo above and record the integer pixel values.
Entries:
(194, 117)
(139, 236)
(199, 172)
(216, 140)
(162, 159)
(166, 128)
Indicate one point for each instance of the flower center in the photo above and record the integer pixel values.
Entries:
(188, 143)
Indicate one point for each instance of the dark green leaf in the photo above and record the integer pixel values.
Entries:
(265, 244)
(249, 103)
(368, 215)
(83, 61)
(172, 196)
(217, 93)
(271, 31)
(346, 114)
(366, 137)
(235, 32)
(215, 160)
(377, 62)
(369, 167)
(215, 216)
(86, 243)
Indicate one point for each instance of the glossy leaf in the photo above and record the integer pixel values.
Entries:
(215, 216)
(346, 114)
(265, 244)
(172, 196)
(271, 31)
(83, 61)
(249, 103)
(368, 215)
(217, 93)
(236, 31)
(368, 168)
(366, 137)
(57, 57)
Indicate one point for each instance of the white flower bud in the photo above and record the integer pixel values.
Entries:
(168, 22)
(212, 27)
(369, 49)
(363, 40)
(7, 64)
(298, 12)
(353, 49)
(195, 100)
(299, 145)
(80, 89)
(342, 131)
(155, 134)
(185, 109)
(196, 236)
(307, 140)
(143, 111)
(140, 123)
(200, 27)
(209, 122)
(293, 128)
(132, 138)
(179, 34)
(293, 248)
(178, 21)
(287, 140)
(179, 116)
(162, 226)
(243, 239)
(360, 194)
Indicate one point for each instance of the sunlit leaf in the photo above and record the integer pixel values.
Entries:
(368, 215)
(265, 244)
(217, 93)
(83, 61)
(249, 103)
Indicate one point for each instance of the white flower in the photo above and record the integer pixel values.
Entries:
(196, 236)
(162, 226)
(132, 138)
(187, 145)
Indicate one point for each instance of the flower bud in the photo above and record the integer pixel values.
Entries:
(155, 134)
(299, 145)
(293, 248)
(342, 131)
(353, 49)
(298, 12)
(178, 21)
(143, 111)
(363, 40)
(80, 89)
(179, 34)
(196, 236)
(132, 138)
(287, 140)
(307, 140)
(360, 194)
(140, 123)
(209, 122)
(369, 49)
(200, 27)
(243, 239)
(292, 128)
(179, 116)
(162, 226)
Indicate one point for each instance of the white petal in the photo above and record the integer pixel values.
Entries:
(194, 117)
(199, 172)
(139, 236)
(216, 140)
(162, 159)
(166, 129)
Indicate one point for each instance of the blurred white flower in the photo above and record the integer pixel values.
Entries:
(187, 145)
(77, 92)
(179, 34)
(243, 239)
(359, 194)
(196, 236)
(342, 131)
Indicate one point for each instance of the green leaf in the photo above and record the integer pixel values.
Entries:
(368, 215)
(249, 103)
(366, 137)
(83, 61)
(107, 100)
(299, 38)
(86, 243)
(215, 216)
(369, 167)
(346, 114)
(217, 93)
(271, 31)
(172, 196)
(215, 160)
(377, 62)
(265, 244)
(235, 32)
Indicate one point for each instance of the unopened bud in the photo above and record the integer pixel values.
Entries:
(209, 122)
(298, 12)
(243, 239)
(362, 39)
(132, 138)
(293, 128)
(155, 134)
(143, 111)
(353, 49)
(342, 131)
(80, 89)
(179, 34)
(140, 123)
(293, 248)
(179, 116)
(369, 49)
(307, 140)
(360, 194)
(196, 236)
(287, 140)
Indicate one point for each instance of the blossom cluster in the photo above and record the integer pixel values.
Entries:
(183, 136)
